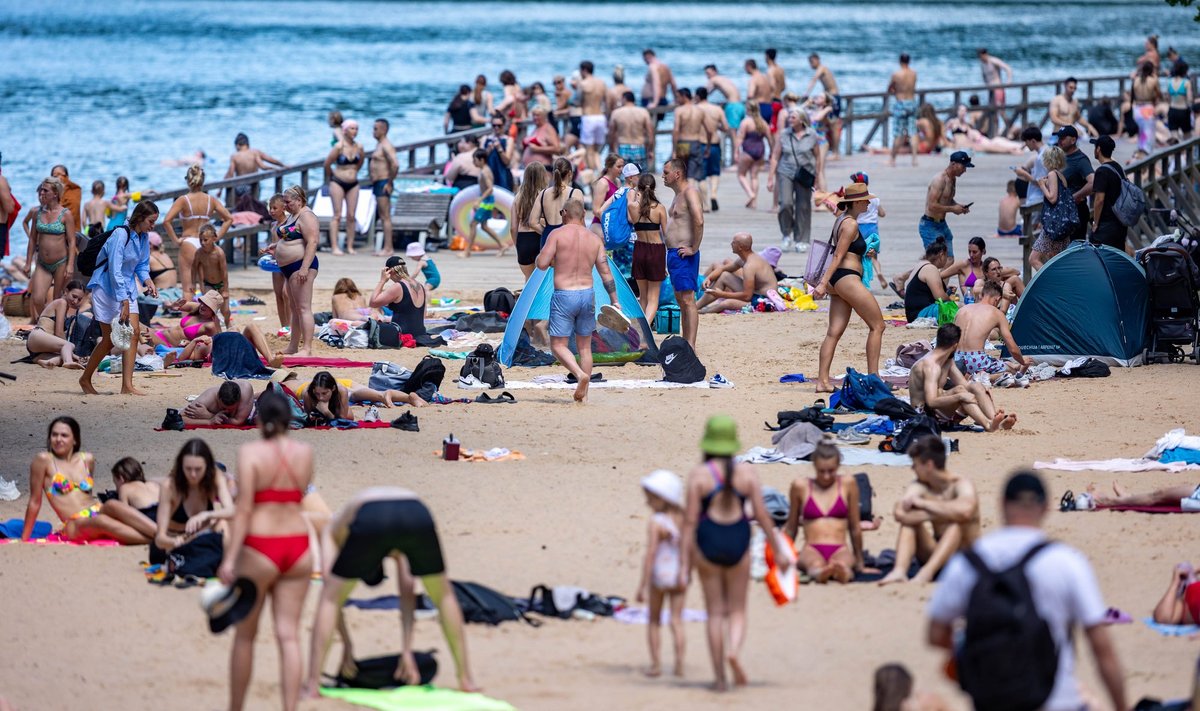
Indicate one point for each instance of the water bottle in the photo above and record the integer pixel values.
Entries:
(450, 448)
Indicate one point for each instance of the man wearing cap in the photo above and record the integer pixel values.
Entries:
(631, 133)
(1061, 582)
(939, 202)
(1078, 174)
(733, 283)
(1106, 188)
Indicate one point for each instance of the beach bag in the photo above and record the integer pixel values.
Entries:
(1060, 219)
(912, 429)
(947, 311)
(1009, 659)
(296, 411)
(85, 262)
(862, 392)
(484, 605)
(355, 338)
(614, 222)
(908, 354)
(818, 255)
(200, 557)
(679, 361)
(482, 364)
(15, 304)
(430, 370)
(895, 409)
(380, 672)
(1130, 204)
(388, 376)
(499, 299)
(812, 415)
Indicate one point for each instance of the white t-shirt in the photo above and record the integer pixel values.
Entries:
(1063, 586)
(870, 216)
(1033, 195)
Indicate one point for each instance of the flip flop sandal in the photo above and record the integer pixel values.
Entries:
(613, 319)
(819, 403)
(892, 285)
(1067, 502)
(596, 378)
(504, 397)
(1113, 616)
(252, 301)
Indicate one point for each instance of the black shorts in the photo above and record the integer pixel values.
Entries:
(528, 246)
(1111, 233)
(1179, 120)
(381, 528)
(3, 239)
(575, 124)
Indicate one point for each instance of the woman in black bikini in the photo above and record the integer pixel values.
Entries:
(342, 164)
(47, 341)
(846, 295)
(192, 501)
(717, 531)
(547, 211)
(296, 254)
(529, 236)
(405, 296)
(47, 227)
(649, 220)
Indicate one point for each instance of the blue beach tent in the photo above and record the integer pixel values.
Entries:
(534, 303)
(1089, 300)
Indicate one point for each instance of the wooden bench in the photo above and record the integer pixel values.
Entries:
(424, 213)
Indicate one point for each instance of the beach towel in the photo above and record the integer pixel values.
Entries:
(234, 358)
(317, 362)
(793, 378)
(1172, 440)
(498, 454)
(1146, 509)
(13, 527)
(391, 602)
(604, 384)
(641, 615)
(362, 425)
(1114, 465)
(1181, 454)
(417, 698)
(1172, 630)
(851, 456)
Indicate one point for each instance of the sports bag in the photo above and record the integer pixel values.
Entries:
(614, 221)
(679, 361)
(1009, 658)
(862, 392)
(499, 299)
(482, 364)
(388, 376)
(430, 370)
(85, 262)
(84, 333)
(1130, 204)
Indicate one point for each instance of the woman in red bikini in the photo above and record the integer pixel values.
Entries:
(827, 507)
(268, 544)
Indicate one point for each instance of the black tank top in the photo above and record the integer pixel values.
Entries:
(917, 296)
(409, 316)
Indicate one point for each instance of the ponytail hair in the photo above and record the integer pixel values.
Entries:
(563, 174)
(297, 192)
(274, 414)
(646, 197)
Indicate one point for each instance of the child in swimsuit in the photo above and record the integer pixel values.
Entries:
(208, 268)
(661, 567)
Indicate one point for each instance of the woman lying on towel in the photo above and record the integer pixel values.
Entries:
(193, 501)
(64, 474)
(47, 341)
(827, 508)
(1180, 604)
(331, 398)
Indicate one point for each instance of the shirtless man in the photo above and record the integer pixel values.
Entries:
(824, 75)
(903, 88)
(963, 399)
(246, 160)
(977, 321)
(593, 128)
(777, 75)
(383, 169)
(690, 137)
(229, 403)
(946, 501)
(939, 202)
(714, 125)
(658, 80)
(685, 231)
(759, 90)
(1064, 109)
(631, 132)
(725, 289)
(735, 110)
(573, 251)
(994, 70)
(614, 93)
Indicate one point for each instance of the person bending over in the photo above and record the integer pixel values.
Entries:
(725, 289)
(945, 501)
(963, 399)
(229, 403)
(135, 498)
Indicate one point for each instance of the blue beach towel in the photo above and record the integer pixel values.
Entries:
(12, 528)
(234, 358)
(1172, 630)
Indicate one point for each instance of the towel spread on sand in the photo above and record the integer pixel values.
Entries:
(604, 384)
(851, 456)
(55, 539)
(362, 425)
(496, 454)
(641, 615)
(12, 528)
(1146, 509)
(417, 698)
(1114, 465)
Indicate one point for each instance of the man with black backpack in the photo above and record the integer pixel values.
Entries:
(1021, 595)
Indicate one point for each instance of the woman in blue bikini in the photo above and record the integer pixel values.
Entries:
(716, 539)
(296, 254)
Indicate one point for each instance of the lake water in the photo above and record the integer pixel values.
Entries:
(115, 88)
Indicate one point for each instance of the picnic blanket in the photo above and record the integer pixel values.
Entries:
(604, 384)
(1114, 465)
(362, 425)
(417, 698)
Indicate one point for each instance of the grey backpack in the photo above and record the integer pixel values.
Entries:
(1130, 204)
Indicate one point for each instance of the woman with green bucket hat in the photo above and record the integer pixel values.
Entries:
(717, 530)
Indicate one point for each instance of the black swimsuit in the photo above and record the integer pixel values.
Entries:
(859, 247)
(409, 316)
(917, 295)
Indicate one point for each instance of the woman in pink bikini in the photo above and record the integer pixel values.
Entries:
(195, 330)
(827, 507)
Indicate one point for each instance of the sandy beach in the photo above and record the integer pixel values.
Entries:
(83, 623)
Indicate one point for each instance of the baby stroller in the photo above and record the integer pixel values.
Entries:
(1174, 281)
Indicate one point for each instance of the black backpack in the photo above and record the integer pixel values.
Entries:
(483, 365)
(85, 263)
(499, 299)
(483, 604)
(913, 429)
(896, 409)
(430, 370)
(679, 361)
(1009, 658)
(84, 333)
(813, 415)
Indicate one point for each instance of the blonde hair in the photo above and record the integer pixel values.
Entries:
(55, 184)
(346, 285)
(1054, 158)
(277, 198)
(195, 176)
(297, 192)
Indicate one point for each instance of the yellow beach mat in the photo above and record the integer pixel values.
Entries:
(418, 698)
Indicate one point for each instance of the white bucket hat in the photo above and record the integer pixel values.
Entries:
(665, 485)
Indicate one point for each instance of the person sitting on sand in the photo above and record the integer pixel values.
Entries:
(229, 403)
(384, 522)
(926, 286)
(1180, 604)
(894, 692)
(193, 501)
(135, 495)
(945, 501)
(162, 268)
(199, 321)
(47, 342)
(348, 302)
(825, 556)
(734, 283)
(64, 475)
(660, 567)
(330, 398)
(977, 321)
(1011, 286)
(403, 295)
(935, 370)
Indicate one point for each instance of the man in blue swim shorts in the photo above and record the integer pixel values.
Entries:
(573, 251)
(939, 202)
(903, 88)
(685, 231)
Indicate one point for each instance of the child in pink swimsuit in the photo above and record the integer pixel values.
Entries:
(661, 568)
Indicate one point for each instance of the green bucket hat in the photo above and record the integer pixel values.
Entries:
(720, 437)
